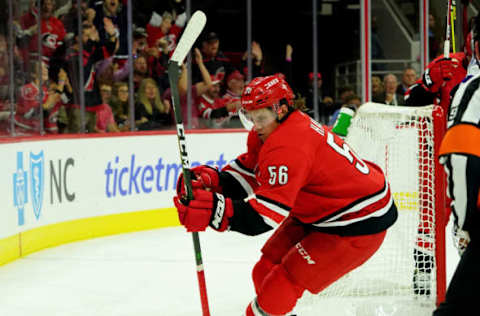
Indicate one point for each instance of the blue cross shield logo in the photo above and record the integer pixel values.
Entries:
(20, 191)
(37, 182)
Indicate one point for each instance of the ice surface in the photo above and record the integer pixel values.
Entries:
(143, 273)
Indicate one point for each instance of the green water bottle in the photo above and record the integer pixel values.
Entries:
(343, 120)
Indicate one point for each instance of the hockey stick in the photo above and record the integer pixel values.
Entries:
(448, 31)
(453, 18)
(190, 34)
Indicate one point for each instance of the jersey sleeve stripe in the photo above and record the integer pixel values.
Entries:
(269, 221)
(268, 210)
(274, 205)
(238, 166)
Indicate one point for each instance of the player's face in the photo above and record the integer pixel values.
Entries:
(264, 122)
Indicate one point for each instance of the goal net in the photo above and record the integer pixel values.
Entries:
(407, 274)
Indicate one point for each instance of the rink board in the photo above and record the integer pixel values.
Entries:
(58, 190)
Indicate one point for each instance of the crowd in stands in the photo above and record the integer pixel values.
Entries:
(59, 92)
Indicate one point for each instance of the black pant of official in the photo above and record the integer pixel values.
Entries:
(463, 295)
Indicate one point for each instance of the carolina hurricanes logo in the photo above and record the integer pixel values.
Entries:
(50, 40)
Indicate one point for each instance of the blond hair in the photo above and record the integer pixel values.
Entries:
(142, 97)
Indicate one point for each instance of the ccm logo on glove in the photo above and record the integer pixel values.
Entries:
(219, 211)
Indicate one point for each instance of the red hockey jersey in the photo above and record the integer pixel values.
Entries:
(305, 171)
(53, 33)
(27, 115)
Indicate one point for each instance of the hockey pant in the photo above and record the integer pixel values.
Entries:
(297, 258)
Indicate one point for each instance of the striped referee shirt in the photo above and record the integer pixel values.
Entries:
(460, 153)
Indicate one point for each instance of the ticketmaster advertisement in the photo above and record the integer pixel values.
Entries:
(51, 181)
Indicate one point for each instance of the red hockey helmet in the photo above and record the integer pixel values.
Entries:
(264, 92)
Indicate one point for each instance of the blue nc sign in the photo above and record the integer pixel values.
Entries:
(36, 181)
(20, 192)
(33, 179)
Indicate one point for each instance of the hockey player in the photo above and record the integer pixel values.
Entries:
(436, 86)
(332, 207)
(460, 154)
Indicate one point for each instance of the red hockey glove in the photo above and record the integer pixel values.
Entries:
(206, 208)
(204, 177)
(441, 71)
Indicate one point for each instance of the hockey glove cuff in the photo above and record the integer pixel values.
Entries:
(206, 209)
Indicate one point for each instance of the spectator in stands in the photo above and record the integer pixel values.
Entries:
(343, 93)
(60, 83)
(120, 71)
(4, 85)
(215, 110)
(139, 44)
(352, 102)
(27, 115)
(157, 60)
(119, 103)
(377, 87)
(235, 84)
(287, 67)
(116, 14)
(140, 70)
(213, 59)
(5, 71)
(70, 17)
(325, 103)
(196, 90)
(105, 121)
(93, 52)
(257, 60)
(409, 76)
(390, 95)
(150, 112)
(162, 33)
(52, 32)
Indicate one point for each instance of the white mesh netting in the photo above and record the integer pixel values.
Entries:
(399, 140)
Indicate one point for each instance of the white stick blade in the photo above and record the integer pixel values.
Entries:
(192, 31)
